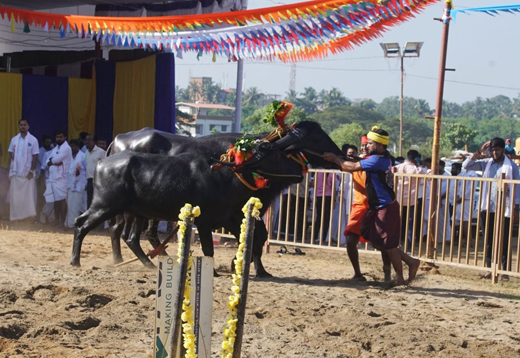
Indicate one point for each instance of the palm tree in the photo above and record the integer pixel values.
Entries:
(210, 92)
(252, 96)
(309, 101)
(335, 98)
(194, 91)
(291, 96)
(181, 94)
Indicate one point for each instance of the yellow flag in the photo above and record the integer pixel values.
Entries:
(12, 23)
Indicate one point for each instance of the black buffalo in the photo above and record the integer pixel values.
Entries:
(307, 137)
(156, 187)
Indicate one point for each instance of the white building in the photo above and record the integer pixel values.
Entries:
(207, 118)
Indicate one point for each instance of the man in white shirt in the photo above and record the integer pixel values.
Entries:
(58, 164)
(77, 183)
(40, 173)
(23, 158)
(406, 193)
(92, 156)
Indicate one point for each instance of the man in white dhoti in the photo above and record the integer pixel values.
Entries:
(47, 213)
(57, 184)
(92, 156)
(40, 171)
(24, 156)
(77, 178)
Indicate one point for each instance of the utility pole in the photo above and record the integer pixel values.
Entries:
(446, 18)
(401, 105)
(393, 50)
(238, 101)
(292, 78)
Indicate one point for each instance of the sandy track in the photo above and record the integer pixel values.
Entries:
(50, 309)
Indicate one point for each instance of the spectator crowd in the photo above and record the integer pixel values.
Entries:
(52, 183)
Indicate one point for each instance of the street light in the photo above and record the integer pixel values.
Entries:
(393, 50)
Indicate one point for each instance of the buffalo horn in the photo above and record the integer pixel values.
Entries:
(291, 138)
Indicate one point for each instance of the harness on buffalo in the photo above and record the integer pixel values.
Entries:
(241, 152)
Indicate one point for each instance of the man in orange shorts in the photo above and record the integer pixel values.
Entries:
(357, 214)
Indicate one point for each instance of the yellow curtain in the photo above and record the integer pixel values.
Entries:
(10, 110)
(134, 95)
(82, 106)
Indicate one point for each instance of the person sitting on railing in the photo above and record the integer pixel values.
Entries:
(494, 167)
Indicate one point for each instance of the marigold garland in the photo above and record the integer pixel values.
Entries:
(230, 331)
(187, 315)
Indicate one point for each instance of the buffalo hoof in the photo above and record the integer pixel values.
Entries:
(215, 274)
(75, 263)
(150, 266)
(263, 274)
(118, 260)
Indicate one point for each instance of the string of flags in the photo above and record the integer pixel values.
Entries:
(489, 10)
(295, 32)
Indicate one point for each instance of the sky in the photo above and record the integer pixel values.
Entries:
(482, 49)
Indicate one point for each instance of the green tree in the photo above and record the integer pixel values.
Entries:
(309, 100)
(194, 91)
(335, 98)
(252, 96)
(210, 92)
(181, 94)
(333, 117)
(348, 134)
(457, 135)
(367, 104)
(291, 96)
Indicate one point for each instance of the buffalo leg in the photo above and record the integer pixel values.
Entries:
(153, 236)
(116, 229)
(206, 241)
(259, 239)
(84, 223)
(133, 243)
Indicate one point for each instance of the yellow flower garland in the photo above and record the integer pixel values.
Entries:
(230, 330)
(187, 308)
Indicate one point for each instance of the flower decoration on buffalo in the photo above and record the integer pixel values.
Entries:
(242, 151)
(277, 112)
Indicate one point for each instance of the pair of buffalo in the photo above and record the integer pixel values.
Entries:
(137, 182)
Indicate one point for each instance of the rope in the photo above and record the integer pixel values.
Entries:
(239, 176)
(313, 153)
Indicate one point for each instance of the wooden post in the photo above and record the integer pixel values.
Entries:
(437, 125)
(498, 241)
(241, 307)
(177, 303)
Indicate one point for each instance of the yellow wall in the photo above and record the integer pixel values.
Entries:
(134, 95)
(82, 106)
(10, 110)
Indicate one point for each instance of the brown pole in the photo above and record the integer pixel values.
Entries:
(241, 307)
(437, 124)
(401, 108)
(97, 49)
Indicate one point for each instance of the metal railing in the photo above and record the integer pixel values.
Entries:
(462, 233)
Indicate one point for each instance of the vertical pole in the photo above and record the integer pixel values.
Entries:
(401, 109)
(175, 330)
(8, 66)
(241, 307)
(238, 99)
(97, 50)
(437, 124)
